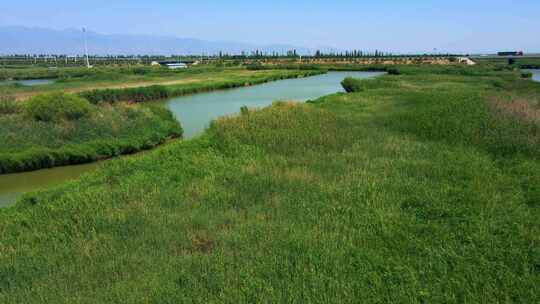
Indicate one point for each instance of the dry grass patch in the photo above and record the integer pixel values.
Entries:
(527, 111)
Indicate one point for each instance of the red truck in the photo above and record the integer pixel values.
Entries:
(518, 53)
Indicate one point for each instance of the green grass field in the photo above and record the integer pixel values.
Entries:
(417, 188)
(48, 131)
(194, 79)
(525, 62)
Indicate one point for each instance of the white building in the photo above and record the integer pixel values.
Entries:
(466, 60)
(173, 65)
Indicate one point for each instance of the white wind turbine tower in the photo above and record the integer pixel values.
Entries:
(86, 48)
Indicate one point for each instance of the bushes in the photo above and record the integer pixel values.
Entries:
(527, 75)
(255, 67)
(57, 107)
(29, 144)
(131, 94)
(352, 85)
(39, 158)
(393, 71)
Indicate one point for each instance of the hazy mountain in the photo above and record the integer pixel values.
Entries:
(23, 40)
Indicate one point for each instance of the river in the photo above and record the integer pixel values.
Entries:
(195, 113)
(536, 74)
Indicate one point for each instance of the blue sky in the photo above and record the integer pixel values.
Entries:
(392, 25)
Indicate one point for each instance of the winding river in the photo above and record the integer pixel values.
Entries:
(195, 112)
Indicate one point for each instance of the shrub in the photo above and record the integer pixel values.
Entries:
(527, 75)
(255, 67)
(244, 110)
(352, 85)
(142, 71)
(393, 71)
(112, 130)
(130, 94)
(56, 107)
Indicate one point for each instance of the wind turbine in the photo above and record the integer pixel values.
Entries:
(86, 48)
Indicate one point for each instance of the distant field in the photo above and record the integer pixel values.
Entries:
(525, 62)
(74, 80)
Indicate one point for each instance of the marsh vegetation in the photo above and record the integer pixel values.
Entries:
(418, 188)
(61, 129)
(138, 83)
(54, 129)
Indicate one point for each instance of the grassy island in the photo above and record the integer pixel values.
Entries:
(61, 129)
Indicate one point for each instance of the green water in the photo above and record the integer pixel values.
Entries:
(195, 112)
(14, 185)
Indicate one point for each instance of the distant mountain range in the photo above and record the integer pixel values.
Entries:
(24, 40)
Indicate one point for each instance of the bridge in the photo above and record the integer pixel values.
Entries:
(495, 56)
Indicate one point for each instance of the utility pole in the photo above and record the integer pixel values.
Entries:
(86, 48)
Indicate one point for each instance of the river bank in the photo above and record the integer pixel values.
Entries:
(535, 74)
